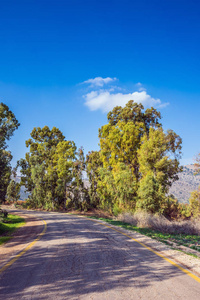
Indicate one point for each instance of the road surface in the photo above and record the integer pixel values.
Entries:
(80, 259)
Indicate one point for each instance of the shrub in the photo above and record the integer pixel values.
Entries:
(162, 224)
(195, 203)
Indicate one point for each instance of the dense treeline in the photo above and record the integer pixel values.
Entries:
(133, 170)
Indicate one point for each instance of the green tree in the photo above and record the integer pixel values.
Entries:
(158, 160)
(151, 195)
(195, 195)
(159, 154)
(8, 124)
(117, 188)
(93, 165)
(121, 137)
(63, 162)
(195, 203)
(47, 167)
(13, 191)
(78, 192)
(135, 112)
(5, 172)
(134, 152)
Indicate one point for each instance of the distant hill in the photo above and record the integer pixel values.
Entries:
(187, 183)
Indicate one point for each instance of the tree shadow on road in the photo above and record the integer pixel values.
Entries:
(79, 258)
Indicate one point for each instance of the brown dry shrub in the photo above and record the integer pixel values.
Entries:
(128, 218)
(160, 223)
(20, 202)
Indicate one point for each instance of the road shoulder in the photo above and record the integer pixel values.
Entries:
(186, 261)
(21, 237)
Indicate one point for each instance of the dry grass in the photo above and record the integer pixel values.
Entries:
(160, 223)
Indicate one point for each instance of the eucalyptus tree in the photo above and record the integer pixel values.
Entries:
(121, 137)
(93, 165)
(77, 191)
(8, 124)
(13, 191)
(158, 159)
(47, 167)
(135, 153)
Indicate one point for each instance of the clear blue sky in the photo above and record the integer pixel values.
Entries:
(147, 50)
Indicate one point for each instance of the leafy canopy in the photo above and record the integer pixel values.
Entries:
(8, 124)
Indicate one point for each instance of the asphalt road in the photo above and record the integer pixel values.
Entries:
(80, 259)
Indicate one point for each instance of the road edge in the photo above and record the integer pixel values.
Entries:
(9, 263)
(175, 263)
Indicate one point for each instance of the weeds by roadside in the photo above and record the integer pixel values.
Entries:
(173, 234)
(161, 224)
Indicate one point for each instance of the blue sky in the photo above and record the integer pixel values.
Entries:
(66, 63)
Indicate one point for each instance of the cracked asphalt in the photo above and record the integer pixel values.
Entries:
(80, 259)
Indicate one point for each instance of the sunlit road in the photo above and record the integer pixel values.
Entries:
(79, 259)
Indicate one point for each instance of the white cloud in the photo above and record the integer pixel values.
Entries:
(99, 81)
(106, 101)
(140, 87)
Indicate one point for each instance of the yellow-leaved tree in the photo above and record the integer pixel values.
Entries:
(135, 153)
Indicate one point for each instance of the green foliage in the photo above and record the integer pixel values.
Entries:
(76, 191)
(4, 239)
(134, 168)
(137, 161)
(134, 112)
(8, 225)
(8, 124)
(13, 191)
(159, 154)
(5, 172)
(158, 168)
(195, 195)
(195, 203)
(117, 188)
(121, 137)
(93, 165)
(172, 209)
(116, 210)
(151, 195)
(47, 167)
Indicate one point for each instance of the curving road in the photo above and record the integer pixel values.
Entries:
(80, 259)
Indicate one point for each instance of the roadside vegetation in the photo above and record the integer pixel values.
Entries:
(174, 234)
(130, 175)
(8, 225)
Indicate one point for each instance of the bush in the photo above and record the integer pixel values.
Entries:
(3, 213)
(162, 224)
(195, 203)
(116, 210)
(151, 197)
